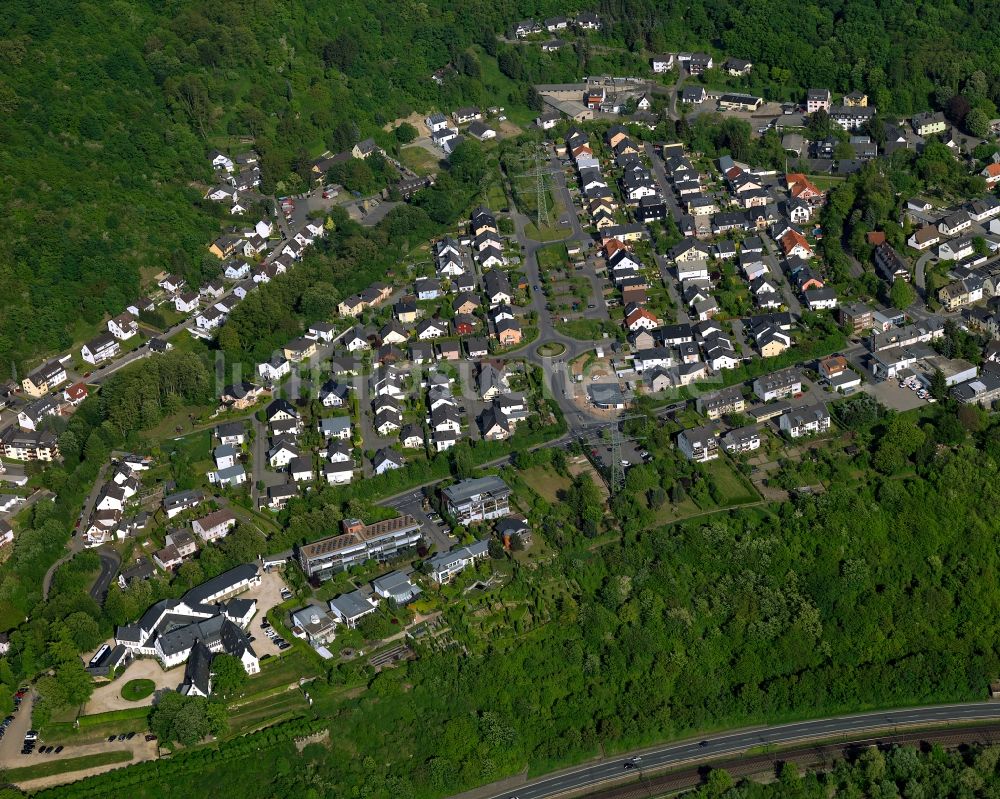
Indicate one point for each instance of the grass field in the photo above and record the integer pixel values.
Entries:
(50, 767)
(134, 690)
(166, 430)
(96, 727)
(587, 329)
(733, 488)
(419, 159)
(283, 671)
(193, 447)
(547, 232)
(268, 709)
(550, 258)
(826, 181)
(545, 482)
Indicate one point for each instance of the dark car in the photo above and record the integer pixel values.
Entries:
(130, 736)
(112, 738)
(59, 749)
(702, 743)
(121, 737)
(628, 764)
(150, 737)
(26, 751)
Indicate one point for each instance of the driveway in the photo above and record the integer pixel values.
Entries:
(918, 272)
(413, 504)
(110, 561)
(109, 696)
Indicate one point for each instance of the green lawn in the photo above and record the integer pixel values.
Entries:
(96, 727)
(734, 489)
(283, 671)
(267, 710)
(419, 160)
(550, 258)
(193, 447)
(587, 329)
(550, 232)
(134, 690)
(825, 182)
(545, 482)
(48, 768)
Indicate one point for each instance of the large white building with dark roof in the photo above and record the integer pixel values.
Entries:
(172, 629)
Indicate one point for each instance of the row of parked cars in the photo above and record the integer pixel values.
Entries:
(273, 634)
(914, 385)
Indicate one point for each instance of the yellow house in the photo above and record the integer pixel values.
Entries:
(224, 246)
(351, 306)
(773, 348)
(300, 349)
(856, 100)
(45, 378)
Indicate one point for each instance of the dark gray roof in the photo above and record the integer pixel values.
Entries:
(217, 585)
(183, 638)
(198, 672)
(350, 605)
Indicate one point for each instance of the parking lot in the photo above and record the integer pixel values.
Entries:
(632, 453)
(268, 594)
(894, 396)
(435, 529)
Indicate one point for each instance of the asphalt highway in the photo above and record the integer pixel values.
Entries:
(739, 741)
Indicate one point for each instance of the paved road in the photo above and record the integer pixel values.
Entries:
(694, 751)
(110, 561)
(918, 272)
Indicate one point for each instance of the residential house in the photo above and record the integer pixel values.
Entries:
(955, 223)
(349, 609)
(929, 123)
(102, 348)
(817, 100)
(445, 565)
(123, 326)
(890, 265)
(924, 237)
(386, 460)
(721, 403)
(778, 385)
(956, 249)
(477, 499)
(804, 421)
(699, 444)
(742, 440)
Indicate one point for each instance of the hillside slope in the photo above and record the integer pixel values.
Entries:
(107, 110)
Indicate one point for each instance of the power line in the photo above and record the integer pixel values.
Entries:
(616, 479)
(541, 195)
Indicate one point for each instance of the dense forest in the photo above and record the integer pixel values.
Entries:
(108, 110)
(876, 773)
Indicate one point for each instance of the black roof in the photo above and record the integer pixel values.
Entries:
(216, 585)
(198, 672)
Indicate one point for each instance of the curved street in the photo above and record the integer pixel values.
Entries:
(693, 751)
